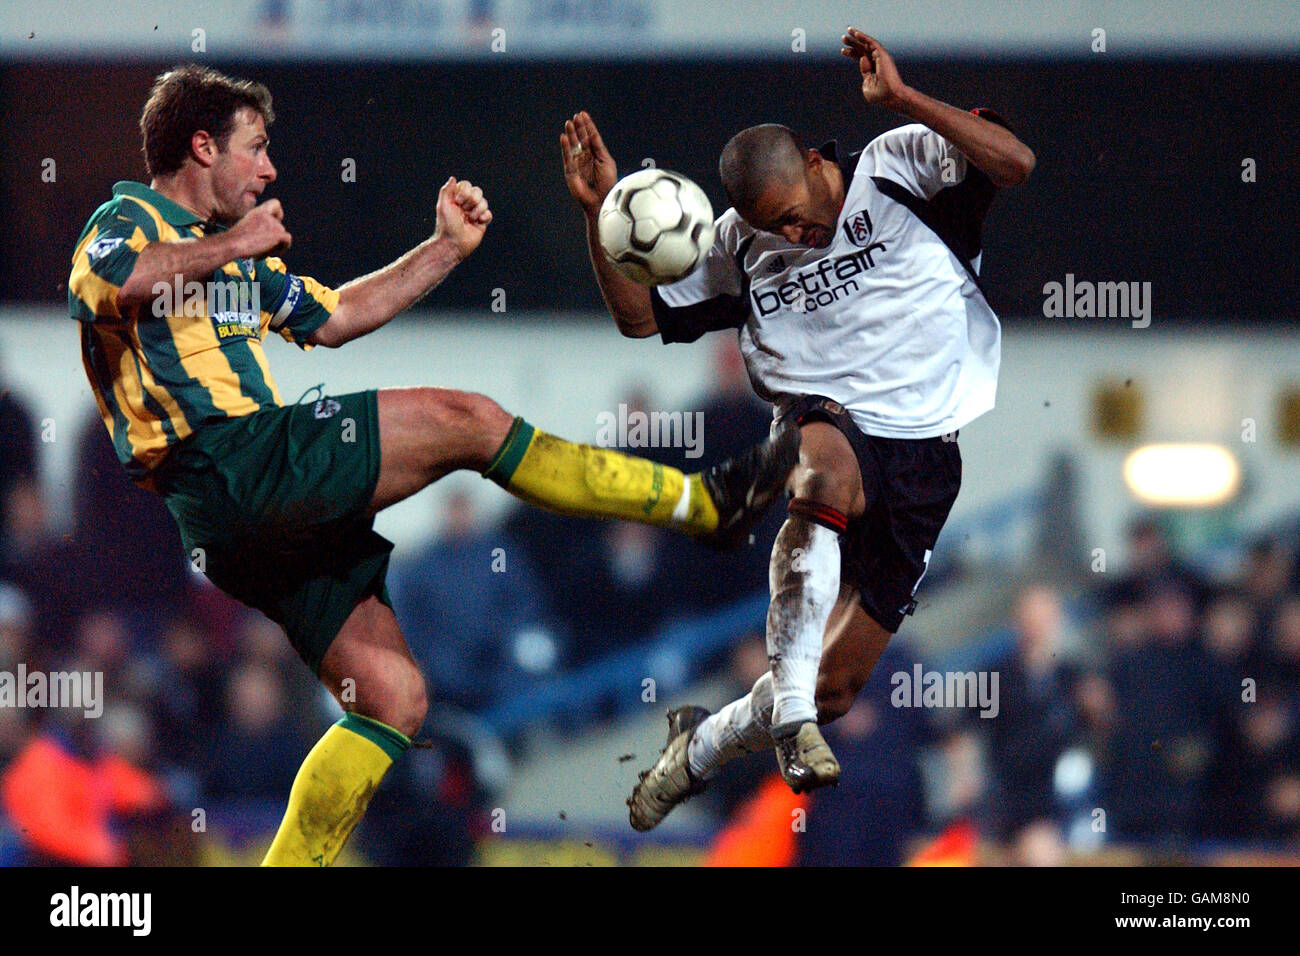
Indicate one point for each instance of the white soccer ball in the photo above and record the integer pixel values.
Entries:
(656, 226)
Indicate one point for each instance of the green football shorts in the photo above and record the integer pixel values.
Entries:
(272, 508)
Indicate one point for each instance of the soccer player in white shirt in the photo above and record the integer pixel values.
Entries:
(853, 282)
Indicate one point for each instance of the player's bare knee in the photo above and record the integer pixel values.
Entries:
(415, 707)
(827, 481)
(450, 408)
(478, 423)
(404, 701)
(828, 471)
(413, 700)
(387, 689)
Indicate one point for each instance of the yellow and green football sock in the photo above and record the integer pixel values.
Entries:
(593, 482)
(333, 787)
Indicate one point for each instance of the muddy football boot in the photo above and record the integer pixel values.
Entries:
(742, 487)
(669, 782)
(805, 760)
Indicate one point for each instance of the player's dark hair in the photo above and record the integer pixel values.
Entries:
(757, 157)
(190, 98)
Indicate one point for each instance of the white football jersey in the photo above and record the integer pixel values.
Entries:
(886, 321)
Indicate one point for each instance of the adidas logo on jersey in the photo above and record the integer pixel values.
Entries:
(775, 265)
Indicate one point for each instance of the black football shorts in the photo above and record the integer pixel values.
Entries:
(910, 486)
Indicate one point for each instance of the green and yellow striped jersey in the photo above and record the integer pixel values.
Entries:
(194, 354)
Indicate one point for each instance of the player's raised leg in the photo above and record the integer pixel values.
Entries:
(782, 708)
(805, 583)
(426, 433)
(385, 707)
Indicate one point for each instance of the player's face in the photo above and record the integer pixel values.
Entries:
(803, 212)
(243, 169)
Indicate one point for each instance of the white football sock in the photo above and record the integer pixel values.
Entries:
(739, 728)
(805, 581)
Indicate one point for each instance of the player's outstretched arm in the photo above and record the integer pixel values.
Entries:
(259, 233)
(590, 173)
(991, 148)
(367, 303)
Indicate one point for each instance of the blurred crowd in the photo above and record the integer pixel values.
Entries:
(1152, 707)
(1177, 721)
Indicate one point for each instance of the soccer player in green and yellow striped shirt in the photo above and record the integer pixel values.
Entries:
(201, 361)
(177, 285)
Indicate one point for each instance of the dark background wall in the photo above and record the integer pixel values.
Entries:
(1139, 174)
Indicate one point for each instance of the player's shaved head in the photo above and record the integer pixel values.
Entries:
(779, 186)
(758, 158)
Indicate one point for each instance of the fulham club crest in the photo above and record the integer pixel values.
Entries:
(858, 228)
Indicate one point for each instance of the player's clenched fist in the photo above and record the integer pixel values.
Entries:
(260, 232)
(589, 169)
(463, 216)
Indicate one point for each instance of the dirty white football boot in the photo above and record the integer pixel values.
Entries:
(804, 757)
(669, 782)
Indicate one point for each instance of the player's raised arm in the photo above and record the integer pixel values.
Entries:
(371, 301)
(590, 173)
(991, 148)
(260, 232)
